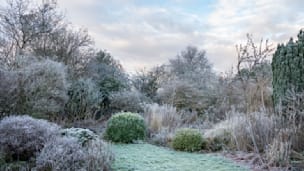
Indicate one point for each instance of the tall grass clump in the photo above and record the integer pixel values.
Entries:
(250, 132)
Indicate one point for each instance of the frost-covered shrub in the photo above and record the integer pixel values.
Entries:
(9, 92)
(218, 143)
(125, 128)
(187, 139)
(82, 135)
(21, 137)
(66, 153)
(84, 97)
(130, 101)
(183, 95)
(45, 87)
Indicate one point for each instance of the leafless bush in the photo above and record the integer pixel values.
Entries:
(21, 137)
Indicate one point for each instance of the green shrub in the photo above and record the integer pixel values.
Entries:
(126, 128)
(187, 139)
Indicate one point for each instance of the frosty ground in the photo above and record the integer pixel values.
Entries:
(146, 157)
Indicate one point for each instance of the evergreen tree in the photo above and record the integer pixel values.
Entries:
(288, 68)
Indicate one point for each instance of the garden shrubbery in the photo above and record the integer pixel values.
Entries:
(187, 139)
(67, 153)
(21, 137)
(126, 128)
(27, 143)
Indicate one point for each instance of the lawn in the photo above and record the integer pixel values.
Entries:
(146, 157)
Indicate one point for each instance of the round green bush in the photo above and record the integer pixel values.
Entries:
(187, 139)
(125, 128)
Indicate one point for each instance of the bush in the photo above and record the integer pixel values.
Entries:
(125, 128)
(66, 153)
(130, 101)
(219, 142)
(9, 92)
(45, 87)
(21, 137)
(37, 87)
(84, 99)
(82, 135)
(187, 140)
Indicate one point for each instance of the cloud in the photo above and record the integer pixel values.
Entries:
(231, 20)
(148, 33)
(148, 36)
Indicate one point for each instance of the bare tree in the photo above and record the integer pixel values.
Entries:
(192, 65)
(254, 71)
(41, 30)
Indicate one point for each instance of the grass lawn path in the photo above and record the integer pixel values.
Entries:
(146, 157)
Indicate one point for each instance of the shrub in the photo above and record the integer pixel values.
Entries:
(82, 135)
(125, 128)
(219, 137)
(36, 87)
(66, 153)
(9, 92)
(21, 137)
(127, 101)
(187, 139)
(218, 143)
(45, 87)
(84, 97)
(182, 95)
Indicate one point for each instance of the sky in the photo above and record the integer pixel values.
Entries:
(146, 33)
